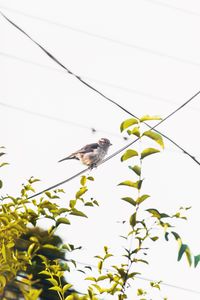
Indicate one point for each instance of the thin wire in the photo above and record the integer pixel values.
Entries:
(120, 87)
(48, 117)
(92, 129)
(115, 153)
(142, 278)
(92, 88)
(171, 6)
(137, 276)
(108, 39)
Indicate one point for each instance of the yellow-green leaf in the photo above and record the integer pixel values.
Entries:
(154, 136)
(142, 198)
(133, 220)
(136, 184)
(100, 265)
(62, 221)
(148, 151)
(53, 281)
(83, 180)
(136, 169)
(129, 200)
(91, 278)
(56, 288)
(149, 118)
(128, 154)
(127, 123)
(67, 287)
(135, 131)
(82, 191)
(78, 213)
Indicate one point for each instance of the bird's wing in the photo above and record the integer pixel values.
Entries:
(88, 148)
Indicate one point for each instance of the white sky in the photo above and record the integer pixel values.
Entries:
(34, 144)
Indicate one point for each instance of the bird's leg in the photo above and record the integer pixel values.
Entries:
(92, 166)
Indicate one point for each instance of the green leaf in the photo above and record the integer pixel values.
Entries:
(53, 281)
(149, 118)
(135, 131)
(83, 180)
(96, 202)
(102, 277)
(133, 274)
(188, 256)
(32, 180)
(97, 287)
(154, 136)
(2, 153)
(32, 248)
(72, 203)
(91, 278)
(128, 154)
(3, 164)
(155, 213)
(136, 184)
(185, 249)
(62, 221)
(136, 169)
(154, 238)
(132, 220)
(1, 184)
(176, 235)
(148, 151)
(127, 123)
(181, 251)
(82, 191)
(88, 204)
(50, 246)
(142, 198)
(45, 273)
(100, 265)
(78, 213)
(55, 288)
(90, 178)
(2, 281)
(129, 200)
(196, 260)
(67, 287)
(107, 255)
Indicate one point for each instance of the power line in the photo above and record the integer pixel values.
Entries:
(110, 270)
(137, 276)
(115, 153)
(109, 39)
(120, 87)
(92, 129)
(112, 85)
(171, 6)
(91, 87)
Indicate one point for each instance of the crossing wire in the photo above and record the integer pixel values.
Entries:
(115, 153)
(91, 87)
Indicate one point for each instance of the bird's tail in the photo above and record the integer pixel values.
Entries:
(68, 157)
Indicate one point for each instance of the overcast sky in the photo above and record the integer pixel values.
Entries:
(143, 54)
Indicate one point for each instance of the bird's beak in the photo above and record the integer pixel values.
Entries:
(110, 144)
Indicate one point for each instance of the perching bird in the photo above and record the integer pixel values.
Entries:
(91, 154)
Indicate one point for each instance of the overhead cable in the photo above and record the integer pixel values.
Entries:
(91, 87)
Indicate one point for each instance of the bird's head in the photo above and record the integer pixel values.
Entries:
(103, 142)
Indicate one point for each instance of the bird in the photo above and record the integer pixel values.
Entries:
(92, 154)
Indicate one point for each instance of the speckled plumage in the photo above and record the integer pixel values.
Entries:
(92, 154)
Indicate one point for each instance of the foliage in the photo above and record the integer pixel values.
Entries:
(37, 256)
